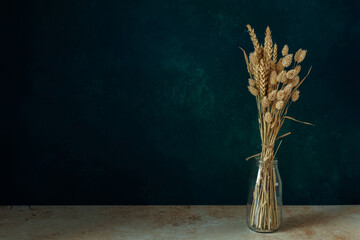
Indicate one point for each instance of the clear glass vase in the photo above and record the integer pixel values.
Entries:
(264, 204)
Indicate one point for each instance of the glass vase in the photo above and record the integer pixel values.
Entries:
(264, 204)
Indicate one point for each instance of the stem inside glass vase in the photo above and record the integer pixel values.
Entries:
(265, 200)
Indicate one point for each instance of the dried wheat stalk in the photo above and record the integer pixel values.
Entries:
(275, 86)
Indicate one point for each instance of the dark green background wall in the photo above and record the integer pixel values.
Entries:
(145, 102)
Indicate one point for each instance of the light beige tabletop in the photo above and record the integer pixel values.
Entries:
(172, 223)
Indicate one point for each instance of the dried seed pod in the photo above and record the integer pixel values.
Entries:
(291, 74)
(251, 82)
(295, 96)
(279, 104)
(300, 55)
(253, 58)
(287, 60)
(295, 81)
(265, 102)
(280, 95)
(279, 67)
(272, 96)
(273, 78)
(281, 77)
(285, 50)
(288, 89)
(253, 90)
(268, 117)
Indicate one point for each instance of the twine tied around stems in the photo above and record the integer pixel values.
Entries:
(269, 146)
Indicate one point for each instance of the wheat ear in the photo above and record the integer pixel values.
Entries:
(253, 38)
(268, 45)
(262, 79)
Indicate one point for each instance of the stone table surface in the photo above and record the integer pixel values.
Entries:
(172, 222)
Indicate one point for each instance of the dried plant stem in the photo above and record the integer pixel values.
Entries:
(264, 211)
(264, 208)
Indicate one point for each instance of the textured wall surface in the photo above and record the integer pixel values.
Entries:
(145, 102)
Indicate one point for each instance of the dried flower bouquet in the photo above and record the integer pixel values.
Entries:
(274, 83)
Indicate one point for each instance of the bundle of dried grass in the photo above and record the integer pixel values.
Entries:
(274, 83)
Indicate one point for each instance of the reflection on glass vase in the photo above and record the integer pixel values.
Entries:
(264, 204)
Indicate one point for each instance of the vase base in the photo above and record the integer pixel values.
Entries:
(258, 230)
